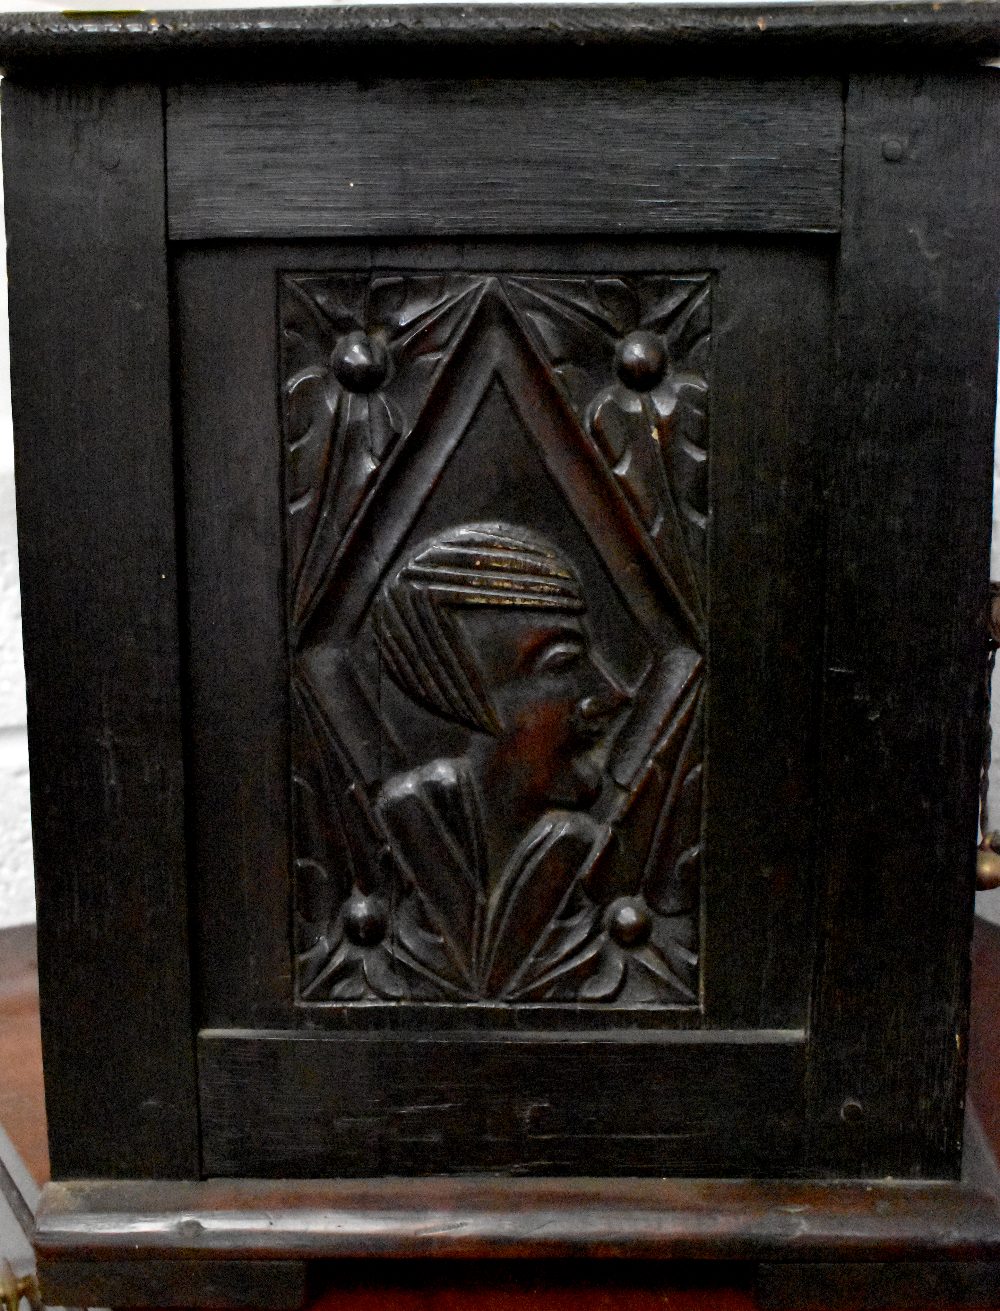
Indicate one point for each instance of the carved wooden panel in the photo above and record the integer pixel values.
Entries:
(496, 539)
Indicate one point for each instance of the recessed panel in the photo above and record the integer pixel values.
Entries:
(497, 518)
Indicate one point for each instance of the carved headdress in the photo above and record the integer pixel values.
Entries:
(422, 642)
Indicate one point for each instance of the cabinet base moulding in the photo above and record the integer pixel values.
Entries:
(871, 1243)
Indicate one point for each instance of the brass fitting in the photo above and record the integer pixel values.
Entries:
(14, 1289)
(988, 863)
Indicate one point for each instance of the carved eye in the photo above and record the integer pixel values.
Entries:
(558, 657)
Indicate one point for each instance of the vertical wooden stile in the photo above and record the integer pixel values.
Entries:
(911, 458)
(90, 365)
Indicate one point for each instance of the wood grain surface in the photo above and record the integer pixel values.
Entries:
(495, 1216)
(909, 512)
(409, 158)
(768, 34)
(90, 385)
(669, 1103)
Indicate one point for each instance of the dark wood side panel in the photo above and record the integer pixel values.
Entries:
(878, 1286)
(238, 760)
(765, 632)
(411, 158)
(916, 357)
(90, 369)
(984, 1038)
(282, 1105)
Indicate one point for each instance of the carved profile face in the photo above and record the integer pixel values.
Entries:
(484, 626)
(553, 701)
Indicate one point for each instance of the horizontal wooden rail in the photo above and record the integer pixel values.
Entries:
(504, 157)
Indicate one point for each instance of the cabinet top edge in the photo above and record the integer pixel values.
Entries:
(847, 30)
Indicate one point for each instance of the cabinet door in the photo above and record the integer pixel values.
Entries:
(503, 566)
(503, 576)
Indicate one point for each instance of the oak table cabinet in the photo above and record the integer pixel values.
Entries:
(504, 501)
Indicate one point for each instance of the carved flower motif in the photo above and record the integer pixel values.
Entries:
(650, 333)
(622, 952)
(644, 387)
(358, 356)
(350, 962)
(633, 421)
(632, 355)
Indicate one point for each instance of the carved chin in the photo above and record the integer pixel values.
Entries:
(584, 782)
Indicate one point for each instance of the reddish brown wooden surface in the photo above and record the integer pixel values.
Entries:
(554, 1287)
(22, 1099)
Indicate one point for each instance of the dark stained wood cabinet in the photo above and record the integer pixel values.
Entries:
(504, 499)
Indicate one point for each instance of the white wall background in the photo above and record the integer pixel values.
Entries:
(17, 899)
(16, 889)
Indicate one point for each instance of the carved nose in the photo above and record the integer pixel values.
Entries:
(602, 705)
